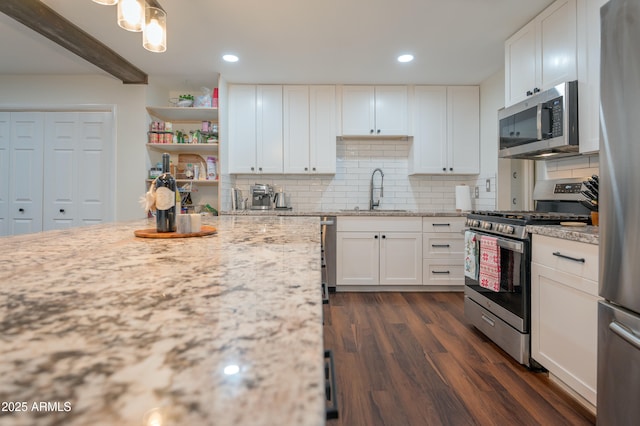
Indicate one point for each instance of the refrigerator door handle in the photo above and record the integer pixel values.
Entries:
(625, 333)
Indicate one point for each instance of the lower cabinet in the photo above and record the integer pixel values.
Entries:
(564, 318)
(443, 252)
(379, 251)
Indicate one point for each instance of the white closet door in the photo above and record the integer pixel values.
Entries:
(25, 183)
(5, 143)
(96, 171)
(78, 151)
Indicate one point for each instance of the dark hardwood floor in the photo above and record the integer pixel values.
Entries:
(412, 359)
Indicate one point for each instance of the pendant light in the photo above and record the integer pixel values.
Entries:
(106, 2)
(154, 35)
(131, 14)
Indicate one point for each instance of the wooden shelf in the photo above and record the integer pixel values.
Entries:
(183, 147)
(195, 182)
(187, 114)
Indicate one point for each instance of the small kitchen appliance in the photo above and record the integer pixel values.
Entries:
(505, 315)
(280, 200)
(261, 196)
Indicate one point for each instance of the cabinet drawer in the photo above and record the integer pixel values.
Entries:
(443, 245)
(573, 257)
(443, 224)
(442, 272)
(379, 224)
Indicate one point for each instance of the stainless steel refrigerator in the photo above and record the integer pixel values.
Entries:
(619, 315)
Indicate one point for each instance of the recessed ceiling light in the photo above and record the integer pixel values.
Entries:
(405, 58)
(230, 58)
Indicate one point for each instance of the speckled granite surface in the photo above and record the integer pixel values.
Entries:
(587, 234)
(110, 329)
(383, 212)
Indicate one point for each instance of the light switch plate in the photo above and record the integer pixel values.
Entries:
(488, 185)
(477, 192)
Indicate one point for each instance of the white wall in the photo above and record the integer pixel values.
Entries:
(78, 92)
(581, 166)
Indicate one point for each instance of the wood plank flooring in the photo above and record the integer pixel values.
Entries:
(412, 359)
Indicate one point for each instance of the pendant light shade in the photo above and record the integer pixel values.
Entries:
(131, 14)
(154, 36)
(106, 2)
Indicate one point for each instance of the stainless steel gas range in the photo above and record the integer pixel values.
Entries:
(502, 311)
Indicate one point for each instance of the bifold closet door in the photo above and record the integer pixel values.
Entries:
(78, 169)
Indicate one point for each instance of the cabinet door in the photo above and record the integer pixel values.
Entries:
(357, 258)
(296, 128)
(401, 258)
(5, 131)
(463, 122)
(391, 110)
(242, 129)
(564, 327)
(358, 110)
(557, 38)
(25, 182)
(428, 151)
(520, 64)
(269, 129)
(322, 136)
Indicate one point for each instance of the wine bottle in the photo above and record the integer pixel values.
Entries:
(165, 199)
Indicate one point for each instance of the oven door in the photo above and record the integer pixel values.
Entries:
(512, 302)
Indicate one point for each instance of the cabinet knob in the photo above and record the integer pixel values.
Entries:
(259, 168)
(384, 236)
(444, 169)
(61, 210)
(536, 90)
(375, 236)
(450, 169)
(306, 169)
(529, 93)
(378, 132)
(253, 169)
(371, 131)
(314, 169)
(21, 210)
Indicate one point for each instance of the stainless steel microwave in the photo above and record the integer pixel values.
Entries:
(542, 126)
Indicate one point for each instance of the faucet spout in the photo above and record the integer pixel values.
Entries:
(373, 204)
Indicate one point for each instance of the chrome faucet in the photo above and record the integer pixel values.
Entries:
(373, 204)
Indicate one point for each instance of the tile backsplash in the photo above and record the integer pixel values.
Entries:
(349, 187)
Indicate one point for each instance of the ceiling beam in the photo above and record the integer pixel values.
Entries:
(44, 20)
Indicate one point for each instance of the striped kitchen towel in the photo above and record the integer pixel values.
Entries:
(489, 263)
(471, 255)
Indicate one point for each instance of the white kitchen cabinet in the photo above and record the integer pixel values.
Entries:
(309, 129)
(374, 111)
(5, 132)
(446, 130)
(378, 251)
(443, 252)
(255, 129)
(589, 74)
(543, 53)
(564, 318)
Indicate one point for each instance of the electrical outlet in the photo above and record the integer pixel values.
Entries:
(477, 192)
(488, 185)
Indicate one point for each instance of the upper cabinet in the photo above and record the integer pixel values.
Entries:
(309, 129)
(446, 130)
(255, 129)
(589, 74)
(374, 111)
(543, 53)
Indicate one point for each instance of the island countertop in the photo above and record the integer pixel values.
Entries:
(101, 327)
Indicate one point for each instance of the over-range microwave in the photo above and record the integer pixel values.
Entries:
(542, 126)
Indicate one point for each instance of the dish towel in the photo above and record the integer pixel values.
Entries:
(471, 255)
(489, 263)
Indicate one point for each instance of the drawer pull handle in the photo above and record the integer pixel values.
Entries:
(625, 333)
(440, 272)
(440, 245)
(441, 224)
(564, 256)
(488, 321)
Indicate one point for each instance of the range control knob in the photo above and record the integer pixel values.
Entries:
(486, 225)
(509, 229)
(499, 227)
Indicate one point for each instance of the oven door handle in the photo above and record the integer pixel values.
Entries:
(513, 245)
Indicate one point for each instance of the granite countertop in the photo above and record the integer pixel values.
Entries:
(382, 212)
(106, 328)
(586, 234)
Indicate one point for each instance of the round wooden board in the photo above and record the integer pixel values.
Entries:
(152, 233)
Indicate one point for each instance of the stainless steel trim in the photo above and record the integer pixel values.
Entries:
(489, 321)
(327, 222)
(513, 245)
(539, 121)
(625, 333)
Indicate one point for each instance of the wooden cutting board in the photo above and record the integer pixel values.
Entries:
(152, 233)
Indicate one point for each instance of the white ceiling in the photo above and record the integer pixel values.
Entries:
(290, 41)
